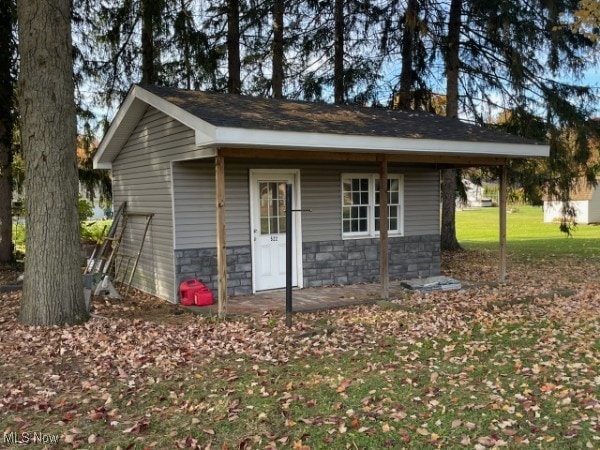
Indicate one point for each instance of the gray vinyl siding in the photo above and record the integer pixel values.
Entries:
(142, 177)
(421, 202)
(194, 185)
(195, 204)
(321, 193)
(320, 186)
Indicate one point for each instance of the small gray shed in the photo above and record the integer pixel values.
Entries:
(211, 167)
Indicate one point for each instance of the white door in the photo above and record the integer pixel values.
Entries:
(269, 230)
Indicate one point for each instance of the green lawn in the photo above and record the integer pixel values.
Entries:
(527, 234)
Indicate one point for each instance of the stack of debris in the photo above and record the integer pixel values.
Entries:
(439, 283)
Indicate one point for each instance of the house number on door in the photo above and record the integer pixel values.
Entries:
(274, 238)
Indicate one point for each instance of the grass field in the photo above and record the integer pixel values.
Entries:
(527, 234)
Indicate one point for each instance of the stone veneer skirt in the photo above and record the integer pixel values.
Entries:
(325, 262)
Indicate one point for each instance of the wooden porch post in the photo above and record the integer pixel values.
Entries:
(221, 237)
(503, 200)
(384, 274)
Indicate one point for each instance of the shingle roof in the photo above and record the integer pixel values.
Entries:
(228, 110)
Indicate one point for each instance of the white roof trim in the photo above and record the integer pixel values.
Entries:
(294, 140)
(111, 134)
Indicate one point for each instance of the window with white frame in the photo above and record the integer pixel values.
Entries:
(360, 205)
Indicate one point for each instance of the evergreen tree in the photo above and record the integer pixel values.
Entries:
(348, 51)
(511, 56)
(412, 36)
(192, 55)
(110, 55)
(535, 55)
(159, 42)
(151, 12)
(409, 42)
(278, 48)
(452, 62)
(267, 31)
(234, 81)
(338, 50)
(95, 183)
(339, 90)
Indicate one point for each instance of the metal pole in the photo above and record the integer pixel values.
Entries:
(288, 255)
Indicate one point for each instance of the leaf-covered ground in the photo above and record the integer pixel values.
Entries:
(515, 366)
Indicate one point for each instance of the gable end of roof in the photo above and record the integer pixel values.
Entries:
(130, 113)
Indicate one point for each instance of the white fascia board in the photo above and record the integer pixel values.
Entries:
(129, 115)
(292, 140)
(116, 130)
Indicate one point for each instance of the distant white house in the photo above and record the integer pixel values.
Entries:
(475, 195)
(585, 200)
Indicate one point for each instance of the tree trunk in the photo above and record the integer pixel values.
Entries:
(338, 58)
(277, 81)
(52, 291)
(6, 251)
(453, 59)
(7, 21)
(234, 84)
(448, 234)
(408, 41)
(148, 74)
(448, 237)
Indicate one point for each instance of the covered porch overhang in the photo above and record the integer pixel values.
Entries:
(381, 160)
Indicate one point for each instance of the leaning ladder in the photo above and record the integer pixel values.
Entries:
(100, 262)
(123, 260)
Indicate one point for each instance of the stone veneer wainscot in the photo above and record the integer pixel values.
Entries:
(340, 262)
